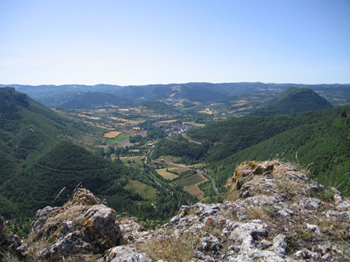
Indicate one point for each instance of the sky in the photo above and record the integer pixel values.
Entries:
(140, 42)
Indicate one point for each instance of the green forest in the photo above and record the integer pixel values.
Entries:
(320, 137)
(292, 101)
(43, 161)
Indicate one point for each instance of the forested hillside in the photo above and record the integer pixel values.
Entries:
(322, 147)
(159, 107)
(39, 161)
(92, 100)
(319, 137)
(293, 101)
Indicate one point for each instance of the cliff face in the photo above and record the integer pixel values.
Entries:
(272, 212)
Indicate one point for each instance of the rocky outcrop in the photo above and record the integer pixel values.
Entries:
(273, 212)
(82, 226)
(276, 213)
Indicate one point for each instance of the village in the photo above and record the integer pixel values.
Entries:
(173, 128)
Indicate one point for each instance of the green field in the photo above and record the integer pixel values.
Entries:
(142, 189)
(194, 179)
(167, 175)
(118, 139)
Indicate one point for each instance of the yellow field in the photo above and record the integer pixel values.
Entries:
(112, 134)
(168, 121)
(165, 174)
(119, 119)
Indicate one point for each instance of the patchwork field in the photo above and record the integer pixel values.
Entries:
(142, 189)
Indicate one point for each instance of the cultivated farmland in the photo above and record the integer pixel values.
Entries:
(191, 180)
(194, 191)
(112, 134)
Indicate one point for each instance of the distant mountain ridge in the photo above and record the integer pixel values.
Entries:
(292, 101)
(54, 96)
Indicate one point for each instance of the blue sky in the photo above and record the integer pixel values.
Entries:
(139, 42)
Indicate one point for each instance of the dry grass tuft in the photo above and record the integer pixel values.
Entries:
(288, 187)
(52, 226)
(303, 169)
(332, 227)
(35, 249)
(171, 248)
(232, 195)
(258, 212)
(191, 211)
(7, 256)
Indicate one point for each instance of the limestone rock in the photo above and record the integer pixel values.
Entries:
(82, 226)
(209, 242)
(280, 244)
(82, 196)
(102, 227)
(133, 231)
(125, 254)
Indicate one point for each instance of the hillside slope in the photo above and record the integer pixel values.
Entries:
(159, 107)
(293, 101)
(324, 145)
(319, 137)
(38, 160)
(92, 100)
